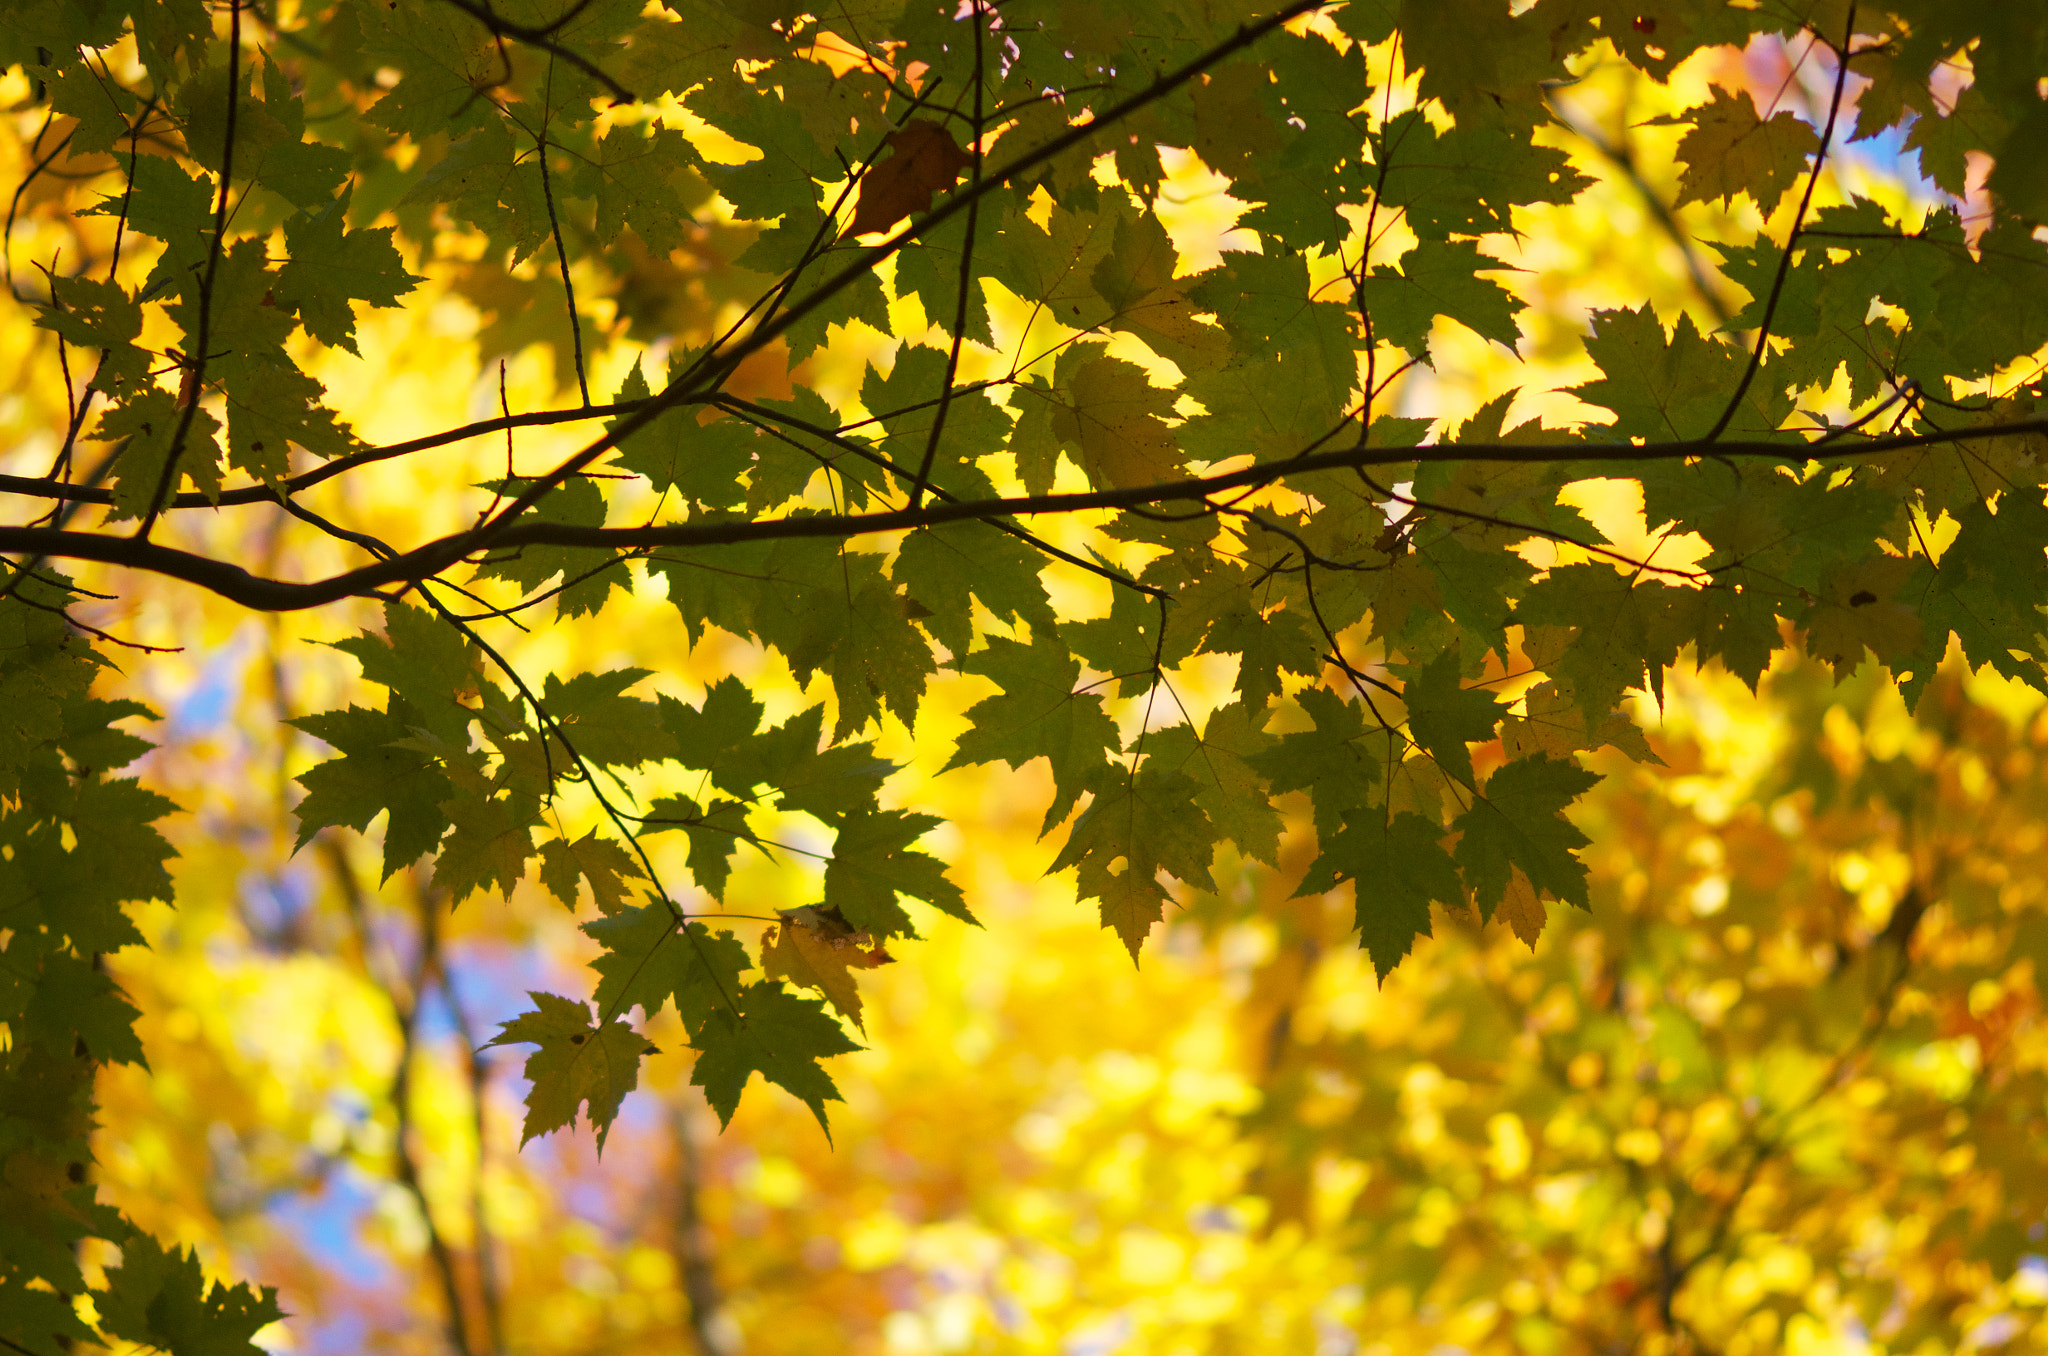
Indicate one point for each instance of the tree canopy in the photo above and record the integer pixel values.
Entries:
(883, 347)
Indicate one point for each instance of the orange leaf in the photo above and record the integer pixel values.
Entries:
(815, 950)
(1521, 908)
(923, 159)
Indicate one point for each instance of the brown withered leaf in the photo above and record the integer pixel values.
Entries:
(814, 948)
(923, 159)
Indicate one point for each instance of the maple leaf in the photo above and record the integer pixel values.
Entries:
(816, 950)
(1038, 714)
(776, 1034)
(1220, 762)
(1731, 150)
(871, 865)
(1859, 606)
(1110, 413)
(1445, 716)
(373, 776)
(1399, 868)
(923, 160)
(580, 1067)
(1330, 762)
(488, 849)
(715, 833)
(941, 567)
(1521, 905)
(1137, 279)
(159, 1298)
(606, 726)
(329, 266)
(1439, 278)
(649, 960)
(1138, 825)
(604, 864)
(1514, 824)
(146, 422)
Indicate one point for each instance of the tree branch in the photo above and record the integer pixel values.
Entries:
(423, 562)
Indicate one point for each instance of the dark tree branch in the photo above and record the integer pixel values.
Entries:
(541, 40)
(425, 561)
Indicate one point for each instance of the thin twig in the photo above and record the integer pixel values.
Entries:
(195, 361)
(1820, 160)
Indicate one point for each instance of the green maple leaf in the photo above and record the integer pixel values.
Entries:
(1622, 636)
(1137, 279)
(906, 403)
(1138, 825)
(160, 1298)
(588, 574)
(827, 783)
(1661, 390)
(930, 271)
(776, 1034)
(77, 892)
(1730, 150)
(600, 861)
(1054, 265)
(1444, 715)
(271, 410)
(493, 184)
(169, 204)
(101, 107)
(489, 847)
(782, 185)
(1229, 790)
(147, 421)
(373, 777)
(1107, 412)
(702, 462)
(1476, 56)
(42, 1321)
(942, 567)
(1038, 714)
(606, 726)
(633, 176)
(879, 659)
(1439, 278)
(99, 315)
(329, 266)
(70, 1000)
(448, 60)
(1468, 180)
(706, 735)
(1514, 822)
(715, 833)
(1330, 762)
(578, 1068)
(1266, 645)
(1399, 868)
(871, 864)
(1987, 581)
(649, 960)
(425, 661)
(1126, 644)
